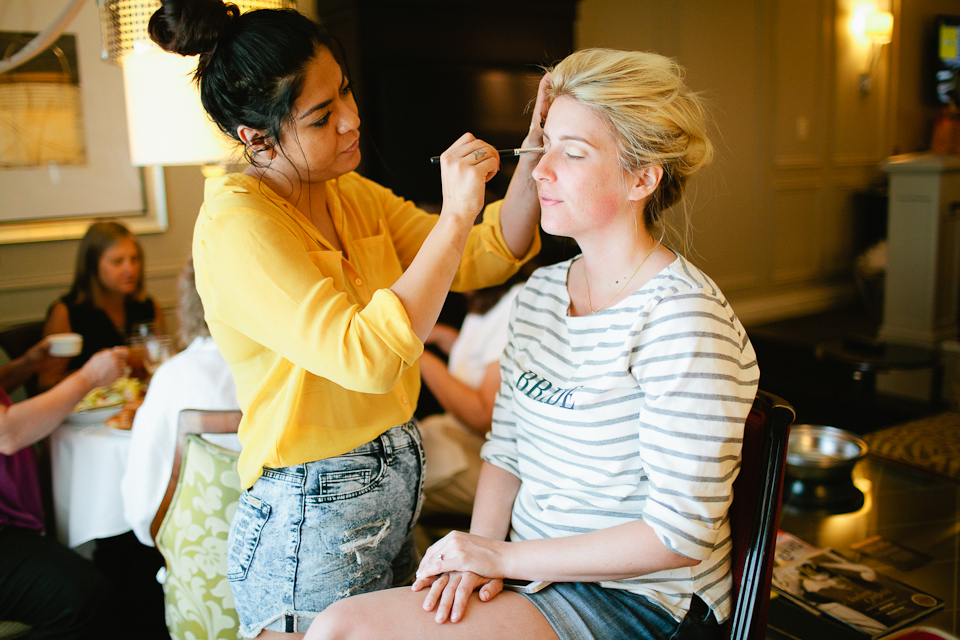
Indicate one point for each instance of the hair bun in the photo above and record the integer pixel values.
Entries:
(191, 27)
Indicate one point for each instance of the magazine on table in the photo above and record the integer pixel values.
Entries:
(825, 583)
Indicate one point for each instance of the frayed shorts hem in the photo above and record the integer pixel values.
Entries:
(286, 622)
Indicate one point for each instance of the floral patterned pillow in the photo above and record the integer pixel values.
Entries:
(193, 541)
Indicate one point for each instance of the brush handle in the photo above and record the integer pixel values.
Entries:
(504, 153)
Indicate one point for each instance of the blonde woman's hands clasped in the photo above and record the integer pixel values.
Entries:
(456, 566)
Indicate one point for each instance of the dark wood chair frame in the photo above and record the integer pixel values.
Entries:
(755, 513)
(16, 340)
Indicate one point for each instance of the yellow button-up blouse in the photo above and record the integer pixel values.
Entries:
(321, 350)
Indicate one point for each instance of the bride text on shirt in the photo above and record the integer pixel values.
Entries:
(542, 390)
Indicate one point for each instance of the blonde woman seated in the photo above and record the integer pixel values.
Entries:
(626, 382)
(195, 378)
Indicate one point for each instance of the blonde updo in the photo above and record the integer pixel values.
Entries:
(655, 117)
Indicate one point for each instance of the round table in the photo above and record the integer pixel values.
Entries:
(87, 464)
(865, 357)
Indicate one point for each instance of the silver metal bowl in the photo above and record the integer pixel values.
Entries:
(816, 453)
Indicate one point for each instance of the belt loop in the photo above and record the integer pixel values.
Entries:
(387, 445)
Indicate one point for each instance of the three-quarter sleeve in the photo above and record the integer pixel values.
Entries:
(500, 449)
(698, 389)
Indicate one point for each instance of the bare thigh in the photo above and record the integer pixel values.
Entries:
(276, 635)
(395, 614)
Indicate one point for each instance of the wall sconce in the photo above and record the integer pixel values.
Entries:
(874, 29)
(165, 120)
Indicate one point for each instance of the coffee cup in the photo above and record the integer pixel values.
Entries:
(65, 345)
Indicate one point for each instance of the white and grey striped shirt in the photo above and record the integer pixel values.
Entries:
(634, 412)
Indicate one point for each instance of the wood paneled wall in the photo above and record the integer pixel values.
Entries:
(773, 216)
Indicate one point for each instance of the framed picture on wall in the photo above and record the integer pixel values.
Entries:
(64, 157)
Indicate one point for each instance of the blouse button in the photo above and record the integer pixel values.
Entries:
(403, 399)
(358, 282)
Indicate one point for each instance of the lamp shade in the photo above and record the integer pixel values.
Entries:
(166, 122)
(870, 26)
(879, 27)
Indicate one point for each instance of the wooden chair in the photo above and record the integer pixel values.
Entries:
(15, 340)
(192, 538)
(193, 421)
(755, 513)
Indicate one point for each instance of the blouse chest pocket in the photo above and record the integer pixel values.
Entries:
(330, 264)
(376, 259)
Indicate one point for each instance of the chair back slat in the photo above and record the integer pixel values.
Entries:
(193, 421)
(755, 513)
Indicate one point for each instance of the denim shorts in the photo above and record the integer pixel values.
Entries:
(587, 611)
(310, 534)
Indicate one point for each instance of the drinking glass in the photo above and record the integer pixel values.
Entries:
(136, 356)
(158, 349)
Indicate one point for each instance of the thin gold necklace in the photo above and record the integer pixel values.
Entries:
(587, 281)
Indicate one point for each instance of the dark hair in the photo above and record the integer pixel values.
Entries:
(99, 237)
(252, 65)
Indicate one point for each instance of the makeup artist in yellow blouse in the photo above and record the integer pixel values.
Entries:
(319, 288)
(341, 365)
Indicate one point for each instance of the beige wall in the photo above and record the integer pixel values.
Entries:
(772, 216)
(32, 275)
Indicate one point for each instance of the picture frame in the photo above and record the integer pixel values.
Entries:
(60, 202)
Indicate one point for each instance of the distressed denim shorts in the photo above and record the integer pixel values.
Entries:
(310, 534)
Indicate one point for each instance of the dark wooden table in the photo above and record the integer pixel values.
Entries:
(912, 508)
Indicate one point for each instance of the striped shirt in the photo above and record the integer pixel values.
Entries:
(636, 411)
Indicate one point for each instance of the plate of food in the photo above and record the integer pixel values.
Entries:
(123, 419)
(93, 416)
(104, 402)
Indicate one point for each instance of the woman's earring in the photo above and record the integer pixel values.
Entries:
(259, 145)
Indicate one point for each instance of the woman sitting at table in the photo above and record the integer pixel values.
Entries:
(196, 378)
(42, 583)
(107, 299)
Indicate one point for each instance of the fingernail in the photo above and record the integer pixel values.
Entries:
(454, 617)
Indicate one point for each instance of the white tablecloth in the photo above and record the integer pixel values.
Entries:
(88, 462)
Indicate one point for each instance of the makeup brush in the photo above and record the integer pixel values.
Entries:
(504, 153)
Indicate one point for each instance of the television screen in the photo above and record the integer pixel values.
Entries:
(948, 59)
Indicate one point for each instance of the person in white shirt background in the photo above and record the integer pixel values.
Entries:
(195, 378)
(465, 386)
